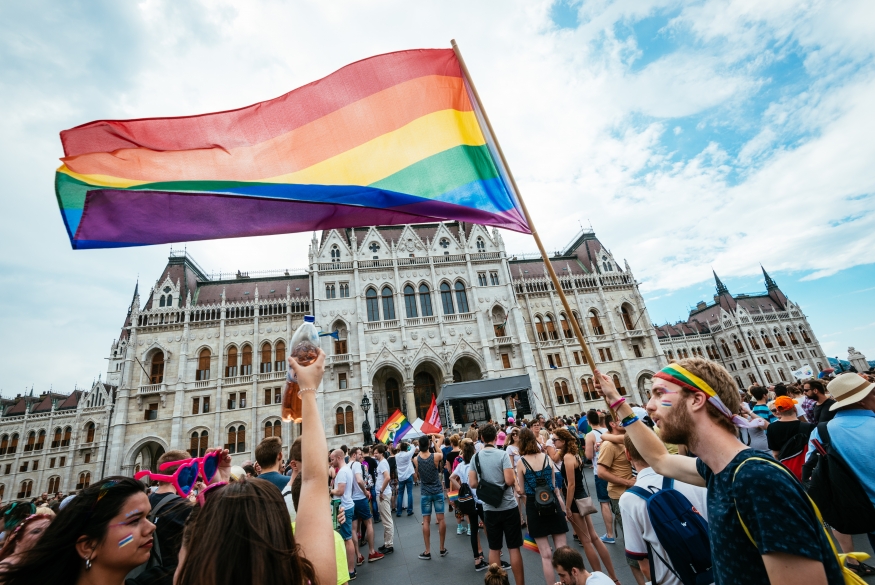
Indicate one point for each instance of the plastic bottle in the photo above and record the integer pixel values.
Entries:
(305, 349)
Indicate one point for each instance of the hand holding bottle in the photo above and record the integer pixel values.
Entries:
(309, 375)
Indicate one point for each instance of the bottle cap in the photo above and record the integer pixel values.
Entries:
(309, 319)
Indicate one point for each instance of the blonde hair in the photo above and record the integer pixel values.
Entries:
(495, 575)
(721, 382)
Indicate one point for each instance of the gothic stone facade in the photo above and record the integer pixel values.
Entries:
(761, 338)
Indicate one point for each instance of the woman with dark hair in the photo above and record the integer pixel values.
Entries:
(513, 451)
(533, 469)
(243, 534)
(572, 472)
(99, 537)
(457, 478)
(25, 535)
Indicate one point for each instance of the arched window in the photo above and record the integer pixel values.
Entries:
(68, 433)
(393, 396)
(26, 489)
(739, 347)
(161, 302)
(89, 432)
(725, 348)
(54, 484)
(231, 367)
(539, 328)
(199, 443)
(805, 337)
(41, 440)
(266, 358)
(752, 340)
(203, 365)
(566, 326)
(279, 364)
(596, 323)
(13, 445)
(84, 480)
(780, 338)
(31, 441)
(619, 386)
(461, 297)
(409, 302)
(782, 374)
(627, 317)
(769, 377)
(344, 421)
(563, 396)
(4, 444)
(551, 327)
(739, 382)
(350, 420)
(792, 335)
(766, 341)
(373, 305)
(236, 439)
(330, 291)
(388, 304)
(423, 388)
(447, 299)
(156, 375)
(335, 254)
(752, 378)
(425, 300)
(169, 300)
(246, 361)
(481, 245)
(588, 387)
(273, 429)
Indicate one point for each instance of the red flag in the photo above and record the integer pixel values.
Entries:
(432, 422)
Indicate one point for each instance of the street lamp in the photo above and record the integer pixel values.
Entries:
(366, 425)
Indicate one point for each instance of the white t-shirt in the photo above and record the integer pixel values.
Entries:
(598, 578)
(514, 453)
(477, 446)
(403, 464)
(345, 476)
(461, 472)
(358, 471)
(383, 466)
(597, 433)
(637, 529)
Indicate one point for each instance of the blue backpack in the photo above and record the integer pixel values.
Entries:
(681, 531)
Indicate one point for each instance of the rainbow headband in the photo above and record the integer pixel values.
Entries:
(686, 379)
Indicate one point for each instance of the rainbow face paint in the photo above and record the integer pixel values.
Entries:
(665, 404)
(126, 540)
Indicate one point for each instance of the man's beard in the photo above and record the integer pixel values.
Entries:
(677, 428)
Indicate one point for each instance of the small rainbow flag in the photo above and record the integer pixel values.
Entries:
(453, 495)
(394, 429)
(529, 543)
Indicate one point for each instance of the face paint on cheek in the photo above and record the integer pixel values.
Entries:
(665, 404)
(126, 540)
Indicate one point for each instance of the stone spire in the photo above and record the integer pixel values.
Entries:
(721, 288)
(770, 284)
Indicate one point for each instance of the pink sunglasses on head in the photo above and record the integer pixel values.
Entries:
(183, 479)
(208, 464)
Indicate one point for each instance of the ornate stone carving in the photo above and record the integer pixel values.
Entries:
(375, 340)
(392, 338)
(469, 329)
(431, 334)
(414, 335)
(452, 330)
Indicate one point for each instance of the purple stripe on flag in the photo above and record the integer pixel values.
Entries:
(133, 218)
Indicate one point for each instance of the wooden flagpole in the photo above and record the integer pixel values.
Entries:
(581, 337)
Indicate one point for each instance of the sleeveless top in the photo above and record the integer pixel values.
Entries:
(579, 489)
(428, 476)
(531, 477)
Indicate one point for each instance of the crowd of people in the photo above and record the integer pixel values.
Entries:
(703, 484)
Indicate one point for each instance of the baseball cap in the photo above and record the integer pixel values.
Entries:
(785, 403)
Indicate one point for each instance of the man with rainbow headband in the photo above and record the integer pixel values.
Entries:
(762, 525)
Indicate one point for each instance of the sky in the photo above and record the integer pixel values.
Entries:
(690, 135)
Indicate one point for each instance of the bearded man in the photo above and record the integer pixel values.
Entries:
(763, 528)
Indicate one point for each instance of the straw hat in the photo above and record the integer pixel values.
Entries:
(847, 389)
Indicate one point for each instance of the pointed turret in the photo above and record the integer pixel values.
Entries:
(773, 291)
(721, 288)
(770, 284)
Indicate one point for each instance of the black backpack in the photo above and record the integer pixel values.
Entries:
(545, 502)
(155, 570)
(837, 491)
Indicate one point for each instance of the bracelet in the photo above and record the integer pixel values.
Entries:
(629, 420)
(619, 401)
(302, 390)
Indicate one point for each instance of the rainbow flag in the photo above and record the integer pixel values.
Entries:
(393, 139)
(529, 543)
(453, 496)
(394, 429)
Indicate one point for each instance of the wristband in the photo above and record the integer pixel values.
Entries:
(302, 390)
(629, 420)
(619, 401)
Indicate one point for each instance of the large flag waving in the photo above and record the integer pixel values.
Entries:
(432, 423)
(394, 429)
(396, 138)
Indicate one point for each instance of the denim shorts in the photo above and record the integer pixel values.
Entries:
(345, 529)
(426, 501)
(362, 509)
(601, 490)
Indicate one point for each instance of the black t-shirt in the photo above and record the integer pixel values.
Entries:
(822, 413)
(168, 531)
(775, 510)
(393, 467)
(780, 432)
(372, 468)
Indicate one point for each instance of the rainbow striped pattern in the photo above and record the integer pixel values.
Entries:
(453, 496)
(394, 429)
(397, 138)
(529, 543)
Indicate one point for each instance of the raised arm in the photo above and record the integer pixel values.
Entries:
(314, 532)
(648, 444)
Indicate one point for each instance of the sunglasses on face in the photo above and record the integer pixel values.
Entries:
(183, 479)
(208, 464)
